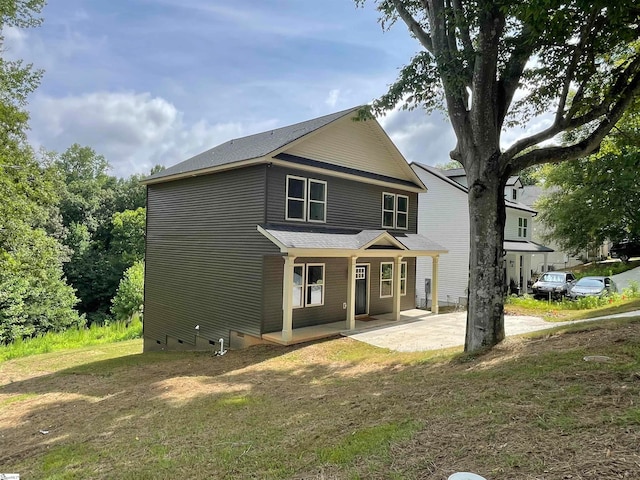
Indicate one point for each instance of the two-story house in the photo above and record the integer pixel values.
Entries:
(443, 216)
(265, 237)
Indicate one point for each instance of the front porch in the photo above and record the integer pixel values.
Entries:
(318, 332)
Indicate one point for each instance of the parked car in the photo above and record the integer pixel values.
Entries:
(592, 287)
(554, 284)
(625, 250)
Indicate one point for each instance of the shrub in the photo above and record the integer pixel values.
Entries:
(129, 298)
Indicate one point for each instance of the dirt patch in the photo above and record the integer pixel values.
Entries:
(529, 409)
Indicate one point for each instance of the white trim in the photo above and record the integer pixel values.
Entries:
(323, 202)
(393, 210)
(306, 284)
(301, 287)
(396, 211)
(406, 227)
(386, 280)
(303, 199)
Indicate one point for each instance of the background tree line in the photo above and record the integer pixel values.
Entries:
(68, 230)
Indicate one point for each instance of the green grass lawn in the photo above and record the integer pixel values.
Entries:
(532, 408)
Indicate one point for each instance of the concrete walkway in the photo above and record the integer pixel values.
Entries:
(417, 333)
(622, 279)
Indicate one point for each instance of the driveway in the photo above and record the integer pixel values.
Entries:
(417, 331)
(622, 279)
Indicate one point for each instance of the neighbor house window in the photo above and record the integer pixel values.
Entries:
(522, 227)
(386, 279)
(306, 199)
(514, 194)
(308, 285)
(395, 211)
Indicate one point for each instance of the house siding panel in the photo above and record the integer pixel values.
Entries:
(350, 204)
(197, 272)
(358, 145)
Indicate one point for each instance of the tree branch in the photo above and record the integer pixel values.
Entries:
(463, 26)
(589, 144)
(414, 27)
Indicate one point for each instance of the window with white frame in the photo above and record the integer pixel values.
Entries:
(306, 199)
(308, 285)
(514, 194)
(386, 279)
(522, 227)
(395, 211)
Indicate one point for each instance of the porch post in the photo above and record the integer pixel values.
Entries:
(546, 257)
(351, 294)
(397, 266)
(287, 299)
(434, 285)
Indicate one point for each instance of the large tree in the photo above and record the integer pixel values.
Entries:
(494, 64)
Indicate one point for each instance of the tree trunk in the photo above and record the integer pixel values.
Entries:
(485, 312)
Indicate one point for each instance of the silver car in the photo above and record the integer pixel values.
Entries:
(592, 287)
(553, 284)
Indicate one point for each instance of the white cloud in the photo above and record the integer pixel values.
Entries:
(332, 99)
(134, 131)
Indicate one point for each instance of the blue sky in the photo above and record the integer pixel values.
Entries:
(155, 81)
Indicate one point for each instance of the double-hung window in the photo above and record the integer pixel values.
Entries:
(306, 199)
(308, 285)
(386, 279)
(395, 211)
(522, 227)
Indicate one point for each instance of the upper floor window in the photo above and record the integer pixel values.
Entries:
(514, 194)
(522, 227)
(306, 199)
(395, 211)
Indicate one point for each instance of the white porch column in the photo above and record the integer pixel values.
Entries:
(351, 294)
(518, 271)
(546, 257)
(287, 299)
(434, 284)
(397, 271)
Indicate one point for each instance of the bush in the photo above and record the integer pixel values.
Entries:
(129, 298)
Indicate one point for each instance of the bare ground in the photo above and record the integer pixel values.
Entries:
(530, 409)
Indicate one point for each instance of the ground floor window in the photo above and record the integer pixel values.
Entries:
(308, 285)
(386, 279)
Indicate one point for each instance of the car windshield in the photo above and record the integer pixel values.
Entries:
(552, 277)
(590, 282)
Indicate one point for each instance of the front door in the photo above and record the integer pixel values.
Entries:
(361, 289)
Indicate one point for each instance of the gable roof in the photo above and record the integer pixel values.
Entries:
(442, 175)
(272, 146)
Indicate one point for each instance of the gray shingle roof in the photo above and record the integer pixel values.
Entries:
(525, 246)
(346, 239)
(250, 147)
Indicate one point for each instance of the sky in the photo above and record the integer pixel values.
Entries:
(146, 82)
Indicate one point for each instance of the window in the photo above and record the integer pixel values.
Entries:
(386, 279)
(306, 199)
(514, 194)
(522, 227)
(308, 285)
(395, 211)
(298, 286)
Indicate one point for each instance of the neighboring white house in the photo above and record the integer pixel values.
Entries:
(443, 215)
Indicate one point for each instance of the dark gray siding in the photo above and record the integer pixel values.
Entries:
(336, 273)
(204, 257)
(350, 204)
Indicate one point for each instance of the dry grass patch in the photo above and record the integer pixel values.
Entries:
(530, 409)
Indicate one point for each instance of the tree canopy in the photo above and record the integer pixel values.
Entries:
(573, 64)
(596, 199)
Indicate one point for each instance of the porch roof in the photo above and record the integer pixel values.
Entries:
(525, 246)
(304, 241)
